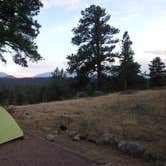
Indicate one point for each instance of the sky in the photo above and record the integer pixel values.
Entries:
(145, 20)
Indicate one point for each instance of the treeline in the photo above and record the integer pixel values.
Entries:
(92, 65)
(35, 90)
(61, 87)
(97, 42)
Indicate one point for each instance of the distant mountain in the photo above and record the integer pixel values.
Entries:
(48, 74)
(43, 75)
(4, 75)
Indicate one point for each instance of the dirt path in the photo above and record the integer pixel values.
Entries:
(36, 152)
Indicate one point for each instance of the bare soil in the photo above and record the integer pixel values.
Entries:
(36, 152)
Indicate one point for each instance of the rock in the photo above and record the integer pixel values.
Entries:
(83, 136)
(91, 138)
(98, 93)
(122, 145)
(76, 137)
(51, 137)
(106, 139)
(72, 133)
(81, 94)
(130, 147)
(139, 107)
(63, 127)
(128, 92)
(134, 148)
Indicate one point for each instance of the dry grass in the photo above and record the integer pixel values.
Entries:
(137, 117)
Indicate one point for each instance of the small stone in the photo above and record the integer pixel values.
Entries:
(91, 138)
(55, 132)
(83, 136)
(72, 133)
(81, 94)
(122, 145)
(50, 137)
(106, 139)
(76, 137)
(98, 93)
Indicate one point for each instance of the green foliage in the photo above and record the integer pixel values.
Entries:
(157, 72)
(61, 74)
(18, 29)
(58, 86)
(4, 93)
(94, 37)
(30, 91)
(128, 70)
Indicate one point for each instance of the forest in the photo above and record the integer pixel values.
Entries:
(93, 64)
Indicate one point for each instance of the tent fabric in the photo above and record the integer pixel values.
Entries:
(9, 129)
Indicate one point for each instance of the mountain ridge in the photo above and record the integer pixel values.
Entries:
(41, 75)
(5, 75)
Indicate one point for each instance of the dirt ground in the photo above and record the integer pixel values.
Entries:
(36, 152)
(139, 117)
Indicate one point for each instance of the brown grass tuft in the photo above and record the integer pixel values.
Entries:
(137, 117)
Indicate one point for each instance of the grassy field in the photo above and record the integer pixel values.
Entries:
(139, 117)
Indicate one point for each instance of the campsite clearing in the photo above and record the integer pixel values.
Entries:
(138, 117)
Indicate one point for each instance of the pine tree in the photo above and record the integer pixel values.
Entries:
(57, 73)
(18, 29)
(128, 69)
(94, 37)
(157, 72)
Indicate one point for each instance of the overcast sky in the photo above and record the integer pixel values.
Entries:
(145, 20)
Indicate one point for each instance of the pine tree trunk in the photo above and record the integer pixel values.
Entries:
(125, 84)
(99, 69)
(99, 77)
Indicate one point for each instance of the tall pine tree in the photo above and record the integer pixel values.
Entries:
(157, 72)
(18, 29)
(128, 70)
(94, 36)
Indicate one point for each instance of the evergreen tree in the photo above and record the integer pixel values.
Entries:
(75, 66)
(157, 72)
(57, 73)
(94, 36)
(18, 29)
(128, 70)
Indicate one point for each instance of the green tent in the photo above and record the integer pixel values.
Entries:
(9, 129)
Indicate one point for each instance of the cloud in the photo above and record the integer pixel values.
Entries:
(156, 52)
